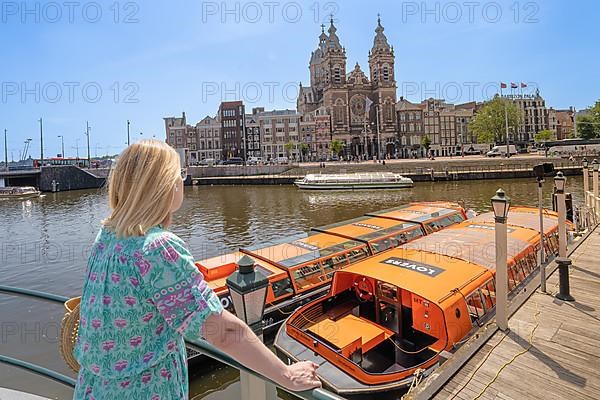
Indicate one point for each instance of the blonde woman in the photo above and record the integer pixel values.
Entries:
(143, 295)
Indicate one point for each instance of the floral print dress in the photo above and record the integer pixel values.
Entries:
(141, 297)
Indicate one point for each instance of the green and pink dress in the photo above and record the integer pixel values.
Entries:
(141, 297)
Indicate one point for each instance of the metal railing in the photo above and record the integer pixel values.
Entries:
(214, 353)
(199, 345)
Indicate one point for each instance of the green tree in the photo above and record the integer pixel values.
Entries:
(489, 122)
(595, 112)
(544, 136)
(595, 118)
(336, 146)
(586, 129)
(289, 146)
(304, 149)
(426, 142)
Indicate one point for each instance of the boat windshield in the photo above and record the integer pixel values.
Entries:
(415, 213)
(304, 248)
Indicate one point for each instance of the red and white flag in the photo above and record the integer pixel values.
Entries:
(503, 85)
(523, 85)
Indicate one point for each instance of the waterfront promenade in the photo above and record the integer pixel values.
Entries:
(551, 351)
(65, 178)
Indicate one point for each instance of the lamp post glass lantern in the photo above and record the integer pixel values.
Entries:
(595, 165)
(559, 182)
(500, 204)
(585, 163)
(248, 290)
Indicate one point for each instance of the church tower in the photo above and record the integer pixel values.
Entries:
(383, 81)
(334, 61)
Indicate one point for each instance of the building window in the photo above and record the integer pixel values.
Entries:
(386, 73)
(337, 74)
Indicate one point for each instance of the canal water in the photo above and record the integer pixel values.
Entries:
(44, 245)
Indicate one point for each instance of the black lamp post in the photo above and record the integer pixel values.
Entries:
(248, 290)
(563, 262)
(560, 182)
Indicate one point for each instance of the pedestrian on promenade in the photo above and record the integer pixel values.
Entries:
(143, 294)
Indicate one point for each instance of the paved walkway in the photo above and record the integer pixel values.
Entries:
(553, 348)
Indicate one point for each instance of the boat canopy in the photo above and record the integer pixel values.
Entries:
(415, 212)
(420, 272)
(475, 242)
(367, 228)
(300, 250)
(525, 217)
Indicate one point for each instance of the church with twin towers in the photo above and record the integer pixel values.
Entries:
(358, 106)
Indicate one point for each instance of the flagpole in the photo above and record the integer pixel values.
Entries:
(506, 121)
(378, 135)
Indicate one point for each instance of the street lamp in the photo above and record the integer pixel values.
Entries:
(560, 182)
(595, 201)
(62, 141)
(563, 262)
(501, 205)
(5, 150)
(248, 290)
(586, 183)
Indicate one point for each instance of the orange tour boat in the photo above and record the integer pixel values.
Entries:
(300, 267)
(395, 312)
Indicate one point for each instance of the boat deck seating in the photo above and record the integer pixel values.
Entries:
(348, 326)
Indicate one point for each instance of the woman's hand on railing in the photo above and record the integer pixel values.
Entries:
(233, 337)
(301, 376)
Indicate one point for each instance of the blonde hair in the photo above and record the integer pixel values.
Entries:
(140, 187)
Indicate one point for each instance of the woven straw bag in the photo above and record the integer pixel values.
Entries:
(68, 332)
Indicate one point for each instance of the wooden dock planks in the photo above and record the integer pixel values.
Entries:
(564, 360)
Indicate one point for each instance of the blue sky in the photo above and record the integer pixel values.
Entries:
(107, 62)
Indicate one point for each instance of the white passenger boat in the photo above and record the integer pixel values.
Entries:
(364, 180)
(18, 192)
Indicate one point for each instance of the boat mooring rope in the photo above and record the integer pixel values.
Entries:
(537, 323)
